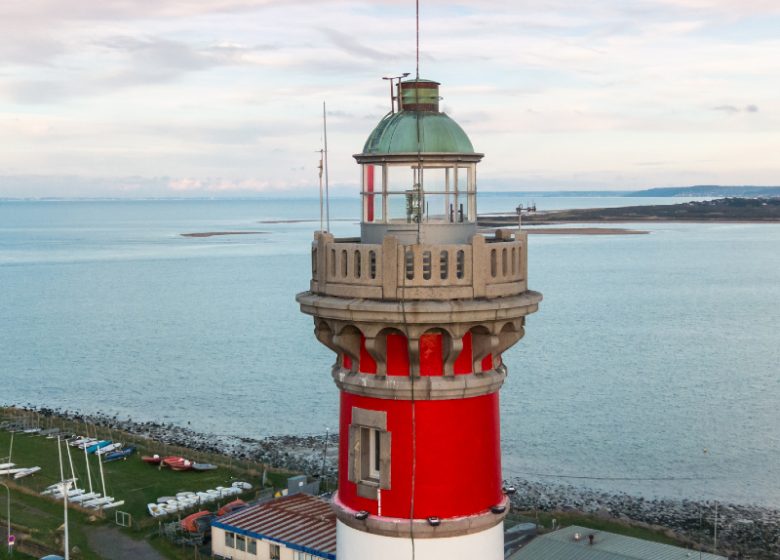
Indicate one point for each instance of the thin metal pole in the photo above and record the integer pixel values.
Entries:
(89, 475)
(70, 462)
(321, 201)
(417, 14)
(64, 500)
(8, 516)
(327, 191)
(715, 535)
(325, 453)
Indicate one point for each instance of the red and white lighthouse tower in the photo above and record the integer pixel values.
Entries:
(419, 310)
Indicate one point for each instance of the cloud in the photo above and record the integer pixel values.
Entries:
(352, 46)
(731, 109)
(232, 186)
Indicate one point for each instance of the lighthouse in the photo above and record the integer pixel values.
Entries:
(419, 311)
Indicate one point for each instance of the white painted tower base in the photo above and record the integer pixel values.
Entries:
(352, 544)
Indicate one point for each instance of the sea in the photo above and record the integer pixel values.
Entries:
(652, 366)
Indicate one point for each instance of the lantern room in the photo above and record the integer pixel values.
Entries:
(418, 173)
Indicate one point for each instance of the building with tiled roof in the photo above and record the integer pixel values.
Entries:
(299, 527)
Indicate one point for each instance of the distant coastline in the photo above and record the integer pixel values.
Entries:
(731, 210)
(695, 191)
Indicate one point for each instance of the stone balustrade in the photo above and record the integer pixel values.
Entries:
(485, 268)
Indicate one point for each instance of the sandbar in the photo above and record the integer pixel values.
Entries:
(213, 233)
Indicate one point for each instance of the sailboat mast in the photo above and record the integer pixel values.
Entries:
(59, 452)
(327, 192)
(89, 474)
(70, 462)
(322, 209)
(64, 500)
(102, 477)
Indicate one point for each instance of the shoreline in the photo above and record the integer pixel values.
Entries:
(746, 528)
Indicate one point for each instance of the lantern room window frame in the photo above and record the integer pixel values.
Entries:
(379, 197)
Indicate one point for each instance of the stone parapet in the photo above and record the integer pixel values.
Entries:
(485, 268)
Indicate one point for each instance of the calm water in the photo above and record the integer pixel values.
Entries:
(646, 350)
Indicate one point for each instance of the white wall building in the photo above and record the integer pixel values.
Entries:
(299, 527)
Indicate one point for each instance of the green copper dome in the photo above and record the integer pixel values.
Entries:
(397, 134)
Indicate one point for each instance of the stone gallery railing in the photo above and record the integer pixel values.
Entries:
(484, 268)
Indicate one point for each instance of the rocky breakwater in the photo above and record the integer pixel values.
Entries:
(743, 531)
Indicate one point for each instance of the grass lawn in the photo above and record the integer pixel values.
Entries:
(131, 480)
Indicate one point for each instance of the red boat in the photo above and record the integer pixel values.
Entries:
(232, 506)
(178, 463)
(190, 523)
(151, 459)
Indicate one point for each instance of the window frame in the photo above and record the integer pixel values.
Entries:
(369, 452)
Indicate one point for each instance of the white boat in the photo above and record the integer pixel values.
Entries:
(87, 443)
(114, 504)
(51, 489)
(156, 510)
(166, 499)
(31, 430)
(7, 465)
(170, 507)
(10, 471)
(27, 472)
(98, 502)
(84, 497)
(78, 441)
(71, 494)
(242, 485)
(108, 448)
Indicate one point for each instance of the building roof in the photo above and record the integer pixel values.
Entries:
(396, 133)
(606, 546)
(300, 522)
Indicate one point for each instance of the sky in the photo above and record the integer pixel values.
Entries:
(136, 98)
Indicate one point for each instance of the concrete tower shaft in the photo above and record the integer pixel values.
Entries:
(419, 310)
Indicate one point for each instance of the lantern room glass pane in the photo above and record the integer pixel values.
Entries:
(399, 178)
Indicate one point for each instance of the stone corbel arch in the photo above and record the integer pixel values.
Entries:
(348, 342)
(483, 344)
(376, 346)
(447, 343)
(510, 333)
(379, 344)
(456, 332)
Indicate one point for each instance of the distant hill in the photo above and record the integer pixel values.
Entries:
(709, 190)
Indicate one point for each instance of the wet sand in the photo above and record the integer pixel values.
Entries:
(586, 231)
(213, 233)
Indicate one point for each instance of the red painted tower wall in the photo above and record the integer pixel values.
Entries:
(458, 470)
